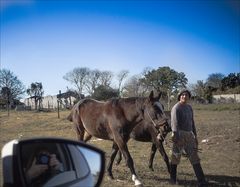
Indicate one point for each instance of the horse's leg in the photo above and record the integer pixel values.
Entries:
(112, 157)
(163, 153)
(87, 136)
(122, 145)
(152, 154)
(119, 158)
(80, 131)
(159, 146)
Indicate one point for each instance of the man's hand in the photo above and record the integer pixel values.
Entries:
(54, 162)
(35, 170)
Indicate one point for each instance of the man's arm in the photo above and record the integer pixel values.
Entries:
(174, 124)
(193, 125)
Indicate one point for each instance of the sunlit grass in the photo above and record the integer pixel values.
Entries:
(217, 107)
(220, 156)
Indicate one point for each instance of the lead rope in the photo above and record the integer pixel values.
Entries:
(160, 134)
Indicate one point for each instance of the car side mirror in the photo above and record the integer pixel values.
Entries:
(51, 162)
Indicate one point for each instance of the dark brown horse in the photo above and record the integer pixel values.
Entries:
(145, 132)
(114, 120)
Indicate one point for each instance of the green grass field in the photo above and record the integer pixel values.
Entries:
(218, 124)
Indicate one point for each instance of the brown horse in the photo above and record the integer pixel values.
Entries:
(145, 132)
(114, 120)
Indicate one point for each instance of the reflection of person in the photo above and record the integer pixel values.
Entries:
(184, 138)
(42, 166)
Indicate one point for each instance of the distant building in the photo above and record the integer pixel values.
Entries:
(226, 98)
(66, 100)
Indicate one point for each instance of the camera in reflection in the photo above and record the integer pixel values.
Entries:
(43, 159)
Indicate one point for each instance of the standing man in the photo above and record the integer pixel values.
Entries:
(184, 138)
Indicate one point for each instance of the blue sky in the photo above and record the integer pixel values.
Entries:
(43, 40)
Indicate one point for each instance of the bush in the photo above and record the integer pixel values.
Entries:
(104, 93)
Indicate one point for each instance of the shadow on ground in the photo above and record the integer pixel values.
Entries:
(222, 180)
(214, 181)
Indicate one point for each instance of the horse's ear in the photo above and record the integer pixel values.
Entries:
(151, 96)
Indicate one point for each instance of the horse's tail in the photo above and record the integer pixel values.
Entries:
(70, 117)
(75, 110)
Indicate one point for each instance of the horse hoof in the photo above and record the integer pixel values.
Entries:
(110, 177)
(151, 168)
(136, 181)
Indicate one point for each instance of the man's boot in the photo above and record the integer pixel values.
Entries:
(200, 175)
(173, 174)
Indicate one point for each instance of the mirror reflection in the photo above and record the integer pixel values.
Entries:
(52, 164)
(93, 161)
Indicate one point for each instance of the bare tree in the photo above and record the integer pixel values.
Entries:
(198, 89)
(93, 81)
(106, 78)
(11, 88)
(134, 87)
(121, 76)
(6, 95)
(9, 80)
(78, 77)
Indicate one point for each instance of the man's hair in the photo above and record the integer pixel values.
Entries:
(183, 91)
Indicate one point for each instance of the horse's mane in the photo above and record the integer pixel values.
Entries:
(119, 101)
(80, 103)
(88, 100)
(113, 101)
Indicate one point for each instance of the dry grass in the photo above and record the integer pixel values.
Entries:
(220, 155)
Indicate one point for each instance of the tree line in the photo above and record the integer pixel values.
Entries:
(101, 85)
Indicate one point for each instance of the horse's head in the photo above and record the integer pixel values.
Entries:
(154, 111)
(164, 128)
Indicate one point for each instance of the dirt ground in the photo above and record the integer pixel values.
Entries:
(218, 135)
